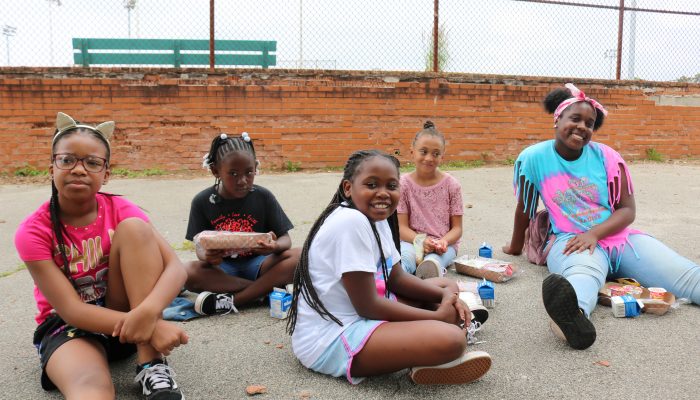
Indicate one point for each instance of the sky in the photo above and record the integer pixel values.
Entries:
(494, 37)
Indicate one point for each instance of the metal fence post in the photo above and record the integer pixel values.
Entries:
(436, 11)
(619, 39)
(212, 60)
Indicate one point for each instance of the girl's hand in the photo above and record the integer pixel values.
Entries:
(167, 336)
(440, 246)
(465, 315)
(581, 242)
(428, 245)
(214, 257)
(446, 312)
(136, 327)
(508, 249)
(267, 247)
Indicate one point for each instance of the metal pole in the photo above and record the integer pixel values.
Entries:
(212, 60)
(301, 34)
(128, 10)
(436, 11)
(7, 42)
(633, 34)
(619, 39)
(51, 32)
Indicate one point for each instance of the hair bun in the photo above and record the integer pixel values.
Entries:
(428, 124)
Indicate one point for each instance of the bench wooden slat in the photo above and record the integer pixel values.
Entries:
(176, 52)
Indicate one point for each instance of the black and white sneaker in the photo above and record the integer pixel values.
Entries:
(156, 379)
(561, 304)
(208, 303)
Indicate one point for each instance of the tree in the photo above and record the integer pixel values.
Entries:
(443, 56)
(689, 79)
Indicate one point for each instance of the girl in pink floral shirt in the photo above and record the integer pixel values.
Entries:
(430, 209)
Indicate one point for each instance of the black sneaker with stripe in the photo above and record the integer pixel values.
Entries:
(156, 379)
(561, 304)
(208, 303)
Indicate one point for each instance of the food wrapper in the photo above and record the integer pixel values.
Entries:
(489, 268)
(233, 242)
(651, 306)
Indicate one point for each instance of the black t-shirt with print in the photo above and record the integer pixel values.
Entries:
(259, 211)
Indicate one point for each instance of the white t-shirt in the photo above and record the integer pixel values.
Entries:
(344, 243)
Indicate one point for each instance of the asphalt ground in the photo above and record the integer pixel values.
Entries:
(649, 357)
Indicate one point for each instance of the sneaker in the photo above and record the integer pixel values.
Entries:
(561, 304)
(472, 329)
(467, 368)
(208, 303)
(473, 301)
(428, 269)
(157, 382)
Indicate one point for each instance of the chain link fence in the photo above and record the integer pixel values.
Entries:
(660, 39)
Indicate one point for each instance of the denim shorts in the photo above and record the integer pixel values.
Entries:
(246, 268)
(336, 360)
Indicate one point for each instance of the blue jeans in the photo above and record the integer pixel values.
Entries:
(246, 268)
(408, 257)
(648, 260)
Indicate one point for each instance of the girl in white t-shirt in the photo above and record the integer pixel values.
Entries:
(345, 319)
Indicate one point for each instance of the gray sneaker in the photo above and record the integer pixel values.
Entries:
(428, 269)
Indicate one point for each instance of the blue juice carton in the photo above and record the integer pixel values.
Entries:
(280, 302)
(485, 250)
(487, 293)
(626, 306)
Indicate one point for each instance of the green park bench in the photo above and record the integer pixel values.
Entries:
(175, 52)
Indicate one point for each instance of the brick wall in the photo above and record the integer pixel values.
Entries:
(166, 119)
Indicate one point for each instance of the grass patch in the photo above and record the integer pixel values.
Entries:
(126, 173)
(509, 161)
(18, 268)
(291, 166)
(461, 164)
(653, 155)
(30, 171)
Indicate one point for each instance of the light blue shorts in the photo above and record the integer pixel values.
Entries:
(337, 359)
(246, 268)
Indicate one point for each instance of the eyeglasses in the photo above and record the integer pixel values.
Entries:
(92, 164)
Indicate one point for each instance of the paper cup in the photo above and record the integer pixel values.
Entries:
(657, 293)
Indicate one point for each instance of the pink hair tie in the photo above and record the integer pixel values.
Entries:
(578, 97)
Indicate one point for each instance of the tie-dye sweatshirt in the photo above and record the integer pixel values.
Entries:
(578, 194)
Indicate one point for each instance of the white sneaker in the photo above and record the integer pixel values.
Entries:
(467, 368)
(428, 269)
(473, 301)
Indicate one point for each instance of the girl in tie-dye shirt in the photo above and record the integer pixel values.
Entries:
(587, 190)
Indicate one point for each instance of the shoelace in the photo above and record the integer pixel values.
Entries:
(474, 326)
(158, 376)
(225, 302)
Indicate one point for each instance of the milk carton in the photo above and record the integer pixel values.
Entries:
(485, 250)
(280, 301)
(486, 292)
(626, 306)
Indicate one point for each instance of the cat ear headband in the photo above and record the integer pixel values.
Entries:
(64, 123)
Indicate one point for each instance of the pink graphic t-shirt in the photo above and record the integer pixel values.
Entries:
(89, 247)
(429, 208)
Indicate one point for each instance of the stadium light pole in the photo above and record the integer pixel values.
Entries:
(58, 4)
(301, 35)
(8, 31)
(129, 5)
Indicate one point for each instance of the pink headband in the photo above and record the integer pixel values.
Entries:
(578, 96)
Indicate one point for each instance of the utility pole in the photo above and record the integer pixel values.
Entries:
(8, 31)
(58, 4)
(301, 34)
(129, 5)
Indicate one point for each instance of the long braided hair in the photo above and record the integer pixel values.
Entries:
(220, 147)
(303, 285)
(57, 225)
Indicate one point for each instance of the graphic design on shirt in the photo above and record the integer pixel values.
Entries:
(89, 259)
(235, 222)
(579, 202)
